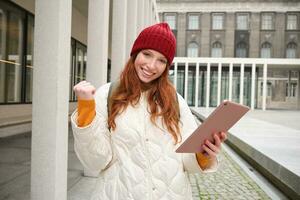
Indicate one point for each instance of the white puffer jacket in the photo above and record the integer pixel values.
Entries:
(138, 160)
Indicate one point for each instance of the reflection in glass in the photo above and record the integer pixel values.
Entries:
(29, 59)
(14, 70)
(180, 79)
(291, 50)
(11, 56)
(191, 85)
(192, 50)
(216, 50)
(224, 84)
(78, 66)
(2, 55)
(265, 51)
(213, 86)
(202, 86)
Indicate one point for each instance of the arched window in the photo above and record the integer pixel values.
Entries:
(241, 50)
(291, 50)
(216, 50)
(192, 49)
(265, 51)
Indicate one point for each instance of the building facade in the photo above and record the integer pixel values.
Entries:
(238, 29)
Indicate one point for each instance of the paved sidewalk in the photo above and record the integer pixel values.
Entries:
(270, 141)
(230, 182)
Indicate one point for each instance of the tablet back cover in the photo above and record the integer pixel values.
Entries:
(220, 120)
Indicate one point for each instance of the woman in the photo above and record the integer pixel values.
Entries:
(133, 149)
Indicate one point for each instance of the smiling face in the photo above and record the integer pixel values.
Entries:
(149, 65)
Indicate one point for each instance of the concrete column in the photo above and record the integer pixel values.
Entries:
(181, 35)
(229, 34)
(253, 87)
(205, 34)
(49, 154)
(219, 83)
(242, 83)
(140, 14)
(146, 13)
(197, 85)
(175, 75)
(254, 37)
(230, 81)
(264, 97)
(132, 16)
(298, 85)
(186, 81)
(207, 85)
(119, 24)
(97, 51)
(151, 13)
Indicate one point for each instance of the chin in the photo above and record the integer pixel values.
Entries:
(145, 81)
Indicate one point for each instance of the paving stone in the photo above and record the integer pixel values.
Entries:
(229, 182)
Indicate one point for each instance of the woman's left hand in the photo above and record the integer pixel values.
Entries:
(213, 149)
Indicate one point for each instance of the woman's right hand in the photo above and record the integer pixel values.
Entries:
(84, 90)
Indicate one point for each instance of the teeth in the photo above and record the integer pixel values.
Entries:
(147, 73)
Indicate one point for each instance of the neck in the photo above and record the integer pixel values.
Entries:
(147, 86)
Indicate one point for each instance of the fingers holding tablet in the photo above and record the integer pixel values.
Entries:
(212, 149)
(223, 136)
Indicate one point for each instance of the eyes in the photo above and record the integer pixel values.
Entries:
(149, 55)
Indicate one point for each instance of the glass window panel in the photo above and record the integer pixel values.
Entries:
(236, 84)
(80, 63)
(216, 50)
(266, 50)
(171, 20)
(242, 22)
(29, 59)
(191, 85)
(267, 22)
(193, 22)
(291, 22)
(14, 58)
(291, 50)
(217, 22)
(192, 50)
(2, 55)
(202, 86)
(213, 86)
(224, 84)
(293, 89)
(180, 79)
(72, 69)
(247, 86)
(241, 50)
(171, 74)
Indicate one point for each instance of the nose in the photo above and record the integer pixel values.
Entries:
(152, 63)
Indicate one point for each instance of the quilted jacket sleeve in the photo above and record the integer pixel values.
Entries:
(189, 124)
(92, 143)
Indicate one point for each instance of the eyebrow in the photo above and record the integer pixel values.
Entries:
(165, 59)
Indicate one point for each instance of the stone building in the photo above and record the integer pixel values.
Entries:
(244, 29)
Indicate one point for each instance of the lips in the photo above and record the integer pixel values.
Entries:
(146, 73)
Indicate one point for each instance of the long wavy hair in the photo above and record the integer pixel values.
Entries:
(161, 97)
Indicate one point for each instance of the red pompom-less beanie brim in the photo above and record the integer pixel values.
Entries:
(158, 37)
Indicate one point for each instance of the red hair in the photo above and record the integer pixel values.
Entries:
(161, 98)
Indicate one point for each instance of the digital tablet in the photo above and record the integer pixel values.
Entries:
(220, 120)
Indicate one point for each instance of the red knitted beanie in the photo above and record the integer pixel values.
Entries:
(158, 37)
